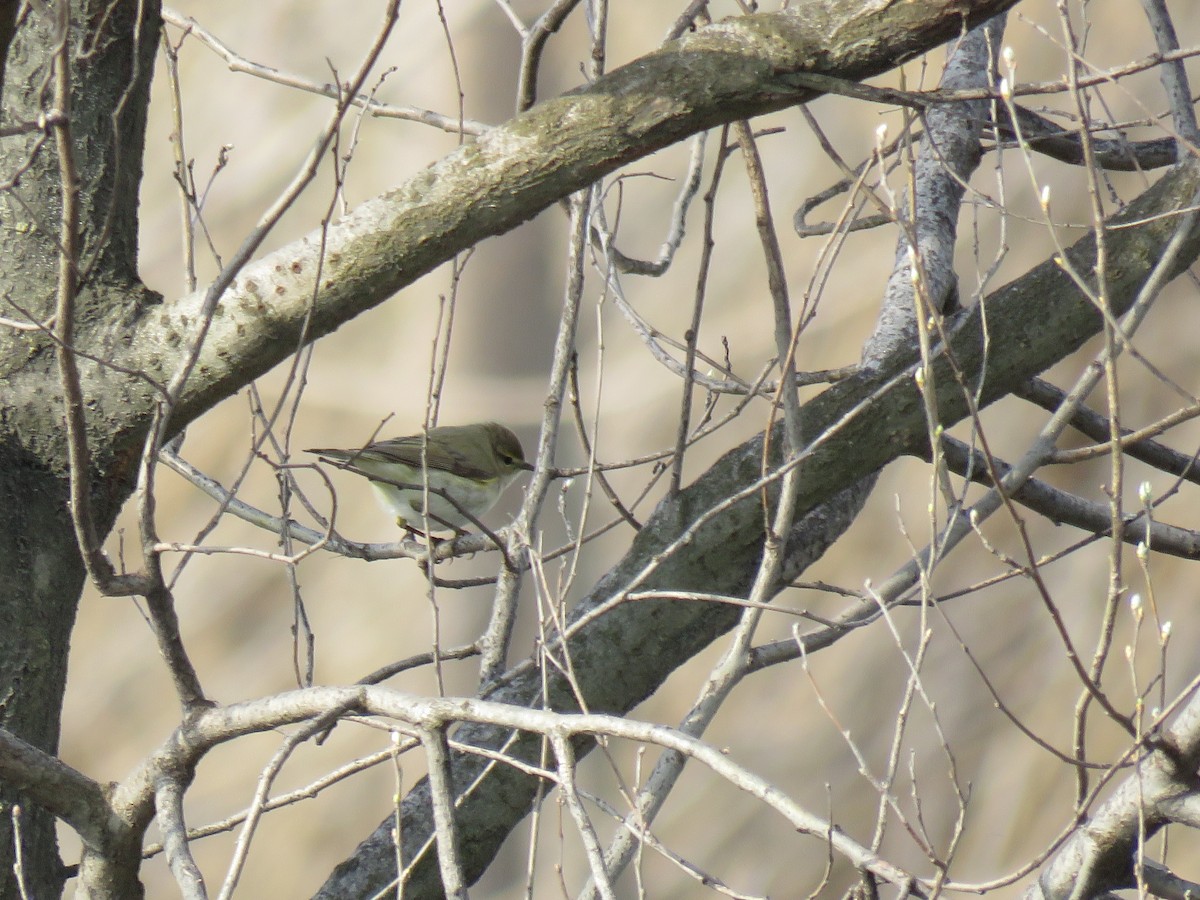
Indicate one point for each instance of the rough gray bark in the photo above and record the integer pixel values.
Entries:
(41, 574)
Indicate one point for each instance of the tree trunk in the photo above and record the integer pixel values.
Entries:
(41, 572)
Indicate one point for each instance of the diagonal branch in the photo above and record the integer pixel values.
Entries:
(69, 794)
(853, 429)
(724, 72)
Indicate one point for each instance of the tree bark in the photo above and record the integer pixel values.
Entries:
(41, 574)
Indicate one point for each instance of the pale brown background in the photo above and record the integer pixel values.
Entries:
(237, 612)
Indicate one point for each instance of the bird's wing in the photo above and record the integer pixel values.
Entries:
(437, 456)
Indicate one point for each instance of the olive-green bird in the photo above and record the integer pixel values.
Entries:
(472, 464)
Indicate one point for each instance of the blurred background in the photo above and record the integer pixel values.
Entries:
(238, 613)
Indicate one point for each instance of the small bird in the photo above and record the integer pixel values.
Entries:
(467, 468)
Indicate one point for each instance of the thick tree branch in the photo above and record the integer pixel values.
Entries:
(69, 794)
(1100, 856)
(854, 428)
(730, 70)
